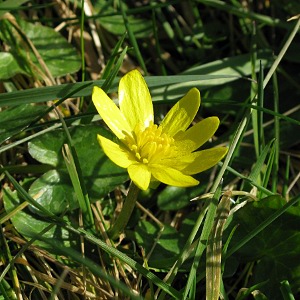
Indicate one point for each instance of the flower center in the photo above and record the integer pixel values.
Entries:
(150, 144)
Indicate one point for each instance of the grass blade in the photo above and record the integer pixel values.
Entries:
(209, 220)
(214, 249)
(74, 169)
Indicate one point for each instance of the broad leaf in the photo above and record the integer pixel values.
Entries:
(10, 5)
(29, 225)
(174, 198)
(9, 67)
(164, 246)
(59, 56)
(14, 119)
(113, 22)
(54, 189)
(276, 249)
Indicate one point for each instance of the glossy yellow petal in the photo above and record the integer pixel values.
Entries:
(204, 160)
(179, 162)
(171, 176)
(110, 113)
(135, 100)
(115, 152)
(182, 113)
(197, 135)
(140, 175)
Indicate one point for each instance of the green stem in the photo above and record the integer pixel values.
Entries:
(126, 212)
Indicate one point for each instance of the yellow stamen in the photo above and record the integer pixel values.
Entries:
(150, 144)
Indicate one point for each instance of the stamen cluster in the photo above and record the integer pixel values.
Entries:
(149, 144)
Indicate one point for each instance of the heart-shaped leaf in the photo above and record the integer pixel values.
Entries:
(59, 56)
(30, 225)
(54, 189)
(276, 249)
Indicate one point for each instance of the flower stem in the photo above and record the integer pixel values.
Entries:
(123, 218)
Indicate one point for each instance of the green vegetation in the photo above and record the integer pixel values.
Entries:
(60, 195)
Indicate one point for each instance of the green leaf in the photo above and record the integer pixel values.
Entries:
(14, 119)
(9, 5)
(113, 22)
(59, 56)
(168, 243)
(115, 25)
(47, 148)
(29, 225)
(276, 248)
(9, 67)
(100, 175)
(54, 191)
(174, 198)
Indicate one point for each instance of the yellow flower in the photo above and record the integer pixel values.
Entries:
(164, 153)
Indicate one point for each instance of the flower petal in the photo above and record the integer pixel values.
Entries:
(197, 135)
(140, 175)
(182, 113)
(110, 113)
(135, 100)
(204, 160)
(115, 152)
(171, 176)
(178, 160)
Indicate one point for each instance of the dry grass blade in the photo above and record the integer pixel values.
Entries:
(214, 249)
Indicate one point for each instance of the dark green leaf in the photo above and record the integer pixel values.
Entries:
(14, 119)
(54, 191)
(115, 25)
(59, 56)
(168, 246)
(113, 22)
(174, 198)
(100, 174)
(9, 67)
(276, 248)
(9, 5)
(30, 225)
